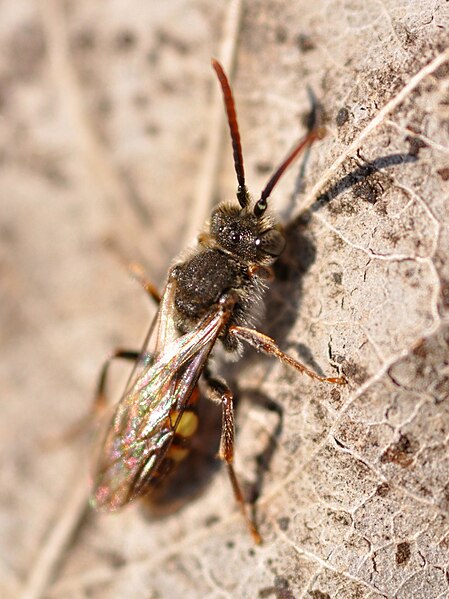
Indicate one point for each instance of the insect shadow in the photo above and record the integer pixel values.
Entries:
(368, 184)
(360, 178)
(290, 269)
(300, 250)
(185, 483)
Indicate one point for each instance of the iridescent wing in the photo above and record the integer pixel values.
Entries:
(161, 332)
(141, 430)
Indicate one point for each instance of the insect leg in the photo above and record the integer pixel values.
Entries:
(219, 391)
(98, 405)
(137, 272)
(267, 345)
(100, 399)
(264, 272)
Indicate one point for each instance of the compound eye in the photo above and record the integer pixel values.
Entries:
(271, 242)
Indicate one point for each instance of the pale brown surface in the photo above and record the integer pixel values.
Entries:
(104, 118)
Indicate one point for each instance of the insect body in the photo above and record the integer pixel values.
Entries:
(213, 295)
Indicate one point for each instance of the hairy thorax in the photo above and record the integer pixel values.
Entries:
(203, 279)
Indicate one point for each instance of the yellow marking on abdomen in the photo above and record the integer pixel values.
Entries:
(187, 425)
(177, 453)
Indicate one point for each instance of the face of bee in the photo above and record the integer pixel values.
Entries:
(251, 238)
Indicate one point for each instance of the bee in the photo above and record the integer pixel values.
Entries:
(213, 294)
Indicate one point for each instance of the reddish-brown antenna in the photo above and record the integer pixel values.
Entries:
(261, 204)
(242, 192)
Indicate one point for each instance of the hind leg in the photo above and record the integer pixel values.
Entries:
(219, 391)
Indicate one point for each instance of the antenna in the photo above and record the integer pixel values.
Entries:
(242, 192)
(261, 204)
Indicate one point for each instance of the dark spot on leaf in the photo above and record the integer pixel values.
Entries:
(341, 517)
(381, 209)
(85, 40)
(293, 443)
(414, 127)
(280, 582)
(281, 35)
(335, 396)
(408, 37)
(166, 38)
(168, 86)
(211, 520)
(444, 173)
(401, 452)
(319, 410)
(415, 145)
(115, 559)
(284, 523)
(409, 273)
(402, 553)
(104, 106)
(54, 173)
(282, 588)
(342, 117)
(5, 95)
(442, 71)
(125, 40)
(420, 349)
(153, 56)
(140, 100)
(26, 50)
(354, 371)
(8, 234)
(304, 43)
(383, 490)
(441, 390)
(152, 129)
(319, 595)
(393, 238)
(337, 276)
(263, 167)
(445, 500)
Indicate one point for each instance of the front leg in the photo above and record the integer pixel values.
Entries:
(267, 345)
(218, 391)
(263, 272)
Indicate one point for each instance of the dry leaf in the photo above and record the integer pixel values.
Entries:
(105, 116)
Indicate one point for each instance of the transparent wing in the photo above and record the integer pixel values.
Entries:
(162, 331)
(141, 430)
